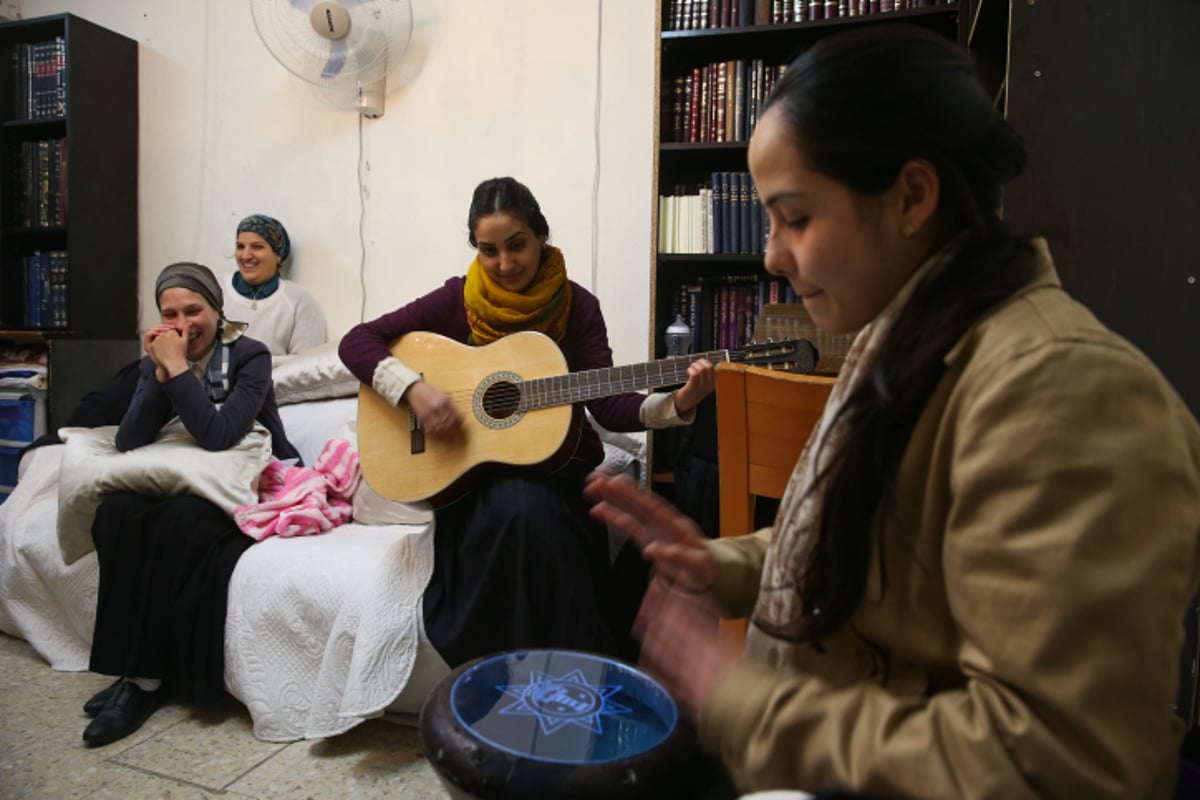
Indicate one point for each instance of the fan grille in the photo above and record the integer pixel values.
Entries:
(379, 33)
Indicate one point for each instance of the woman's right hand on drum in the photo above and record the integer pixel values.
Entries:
(667, 538)
(435, 412)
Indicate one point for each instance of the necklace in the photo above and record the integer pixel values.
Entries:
(254, 295)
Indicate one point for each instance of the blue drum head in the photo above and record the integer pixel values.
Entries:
(562, 707)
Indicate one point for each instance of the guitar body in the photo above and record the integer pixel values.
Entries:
(404, 464)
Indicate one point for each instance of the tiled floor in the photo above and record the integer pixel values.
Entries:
(181, 752)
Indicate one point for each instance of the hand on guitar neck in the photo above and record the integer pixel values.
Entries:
(701, 380)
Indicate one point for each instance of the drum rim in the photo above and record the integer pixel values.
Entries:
(671, 728)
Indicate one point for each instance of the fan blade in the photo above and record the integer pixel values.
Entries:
(337, 58)
(304, 6)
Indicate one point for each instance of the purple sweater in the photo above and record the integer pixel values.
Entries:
(584, 346)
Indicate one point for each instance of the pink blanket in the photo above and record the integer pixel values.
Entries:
(302, 501)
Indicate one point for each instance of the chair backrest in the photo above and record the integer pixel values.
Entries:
(764, 419)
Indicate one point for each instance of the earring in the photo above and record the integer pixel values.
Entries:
(908, 231)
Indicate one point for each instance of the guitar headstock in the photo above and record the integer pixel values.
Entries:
(788, 355)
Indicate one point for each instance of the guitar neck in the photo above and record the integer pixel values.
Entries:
(580, 387)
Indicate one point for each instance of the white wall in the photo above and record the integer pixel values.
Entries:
(488, 87)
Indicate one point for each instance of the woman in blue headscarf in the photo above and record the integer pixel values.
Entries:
(280, 313)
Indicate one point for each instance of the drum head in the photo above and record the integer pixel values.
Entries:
(554, 723)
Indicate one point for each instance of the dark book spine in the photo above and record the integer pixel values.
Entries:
(43, 196)
(744, 214)
(694, 105)
(678, 95)
(727, 196)
(758, 222)
(62, 182)
(59, 280)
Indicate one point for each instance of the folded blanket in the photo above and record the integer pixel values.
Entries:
(302, 501)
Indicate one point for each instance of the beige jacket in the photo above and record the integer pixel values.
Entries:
(1026, 644)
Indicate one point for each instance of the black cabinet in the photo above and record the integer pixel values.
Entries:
(69, 204)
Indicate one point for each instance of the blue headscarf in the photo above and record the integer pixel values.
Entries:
(271, 230)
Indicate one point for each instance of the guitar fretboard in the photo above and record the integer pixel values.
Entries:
(580, 387)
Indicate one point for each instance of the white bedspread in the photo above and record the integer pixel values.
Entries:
(321, 633)
(42, 599)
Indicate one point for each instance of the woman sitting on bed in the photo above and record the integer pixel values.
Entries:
(517, 562)
(280, 313)
(165, 563)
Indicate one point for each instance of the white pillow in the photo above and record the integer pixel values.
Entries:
(372, 508)
(314, 374)
(173, 464)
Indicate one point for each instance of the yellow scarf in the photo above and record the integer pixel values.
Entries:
(494, 312)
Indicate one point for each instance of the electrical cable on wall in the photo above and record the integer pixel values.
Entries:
(596, 141)
(206, 105)
(362, 224)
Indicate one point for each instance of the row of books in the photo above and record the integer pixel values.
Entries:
(732, 311)
(722, 311)
(723, 217)
(719, 102)
(46, 300)
(39, 79)
(683, 15)
(38, 193)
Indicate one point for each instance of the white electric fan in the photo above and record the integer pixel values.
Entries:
(338, 44)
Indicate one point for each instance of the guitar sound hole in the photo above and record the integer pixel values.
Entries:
(501, 400)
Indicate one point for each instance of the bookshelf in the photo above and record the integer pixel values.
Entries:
(68, 208)
(716, 60)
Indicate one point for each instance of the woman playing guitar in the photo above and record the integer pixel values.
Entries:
(518, 563)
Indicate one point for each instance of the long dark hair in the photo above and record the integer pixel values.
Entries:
(863, 104)
(510, 196)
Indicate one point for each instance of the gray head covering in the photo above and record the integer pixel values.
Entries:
(196, 277)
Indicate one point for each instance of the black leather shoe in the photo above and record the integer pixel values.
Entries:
(100, 699)
(124, 713)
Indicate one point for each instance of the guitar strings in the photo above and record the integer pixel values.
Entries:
(507, 394)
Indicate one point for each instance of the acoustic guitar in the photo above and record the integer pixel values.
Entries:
(519, 404)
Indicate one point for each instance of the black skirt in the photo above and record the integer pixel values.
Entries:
(519, 564)
(165, 566)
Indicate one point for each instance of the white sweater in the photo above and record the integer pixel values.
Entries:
(287, 322)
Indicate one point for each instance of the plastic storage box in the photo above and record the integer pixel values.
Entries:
(22, 419)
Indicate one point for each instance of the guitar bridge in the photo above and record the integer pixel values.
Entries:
(416, 437)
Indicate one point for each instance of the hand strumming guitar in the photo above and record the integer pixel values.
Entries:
(435, 413)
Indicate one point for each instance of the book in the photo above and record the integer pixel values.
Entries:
(58, 297)
(743, 205)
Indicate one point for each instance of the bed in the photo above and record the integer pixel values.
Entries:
(322, 631)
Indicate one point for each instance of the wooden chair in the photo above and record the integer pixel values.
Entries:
(764, 418)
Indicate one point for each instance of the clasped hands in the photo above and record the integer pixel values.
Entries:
(677, 623)
(167, 347)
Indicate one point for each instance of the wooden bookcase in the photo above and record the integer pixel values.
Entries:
(687, 166)
(92, 219)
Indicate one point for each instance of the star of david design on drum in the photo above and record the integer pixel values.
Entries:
(558, 707)
(565, 700)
